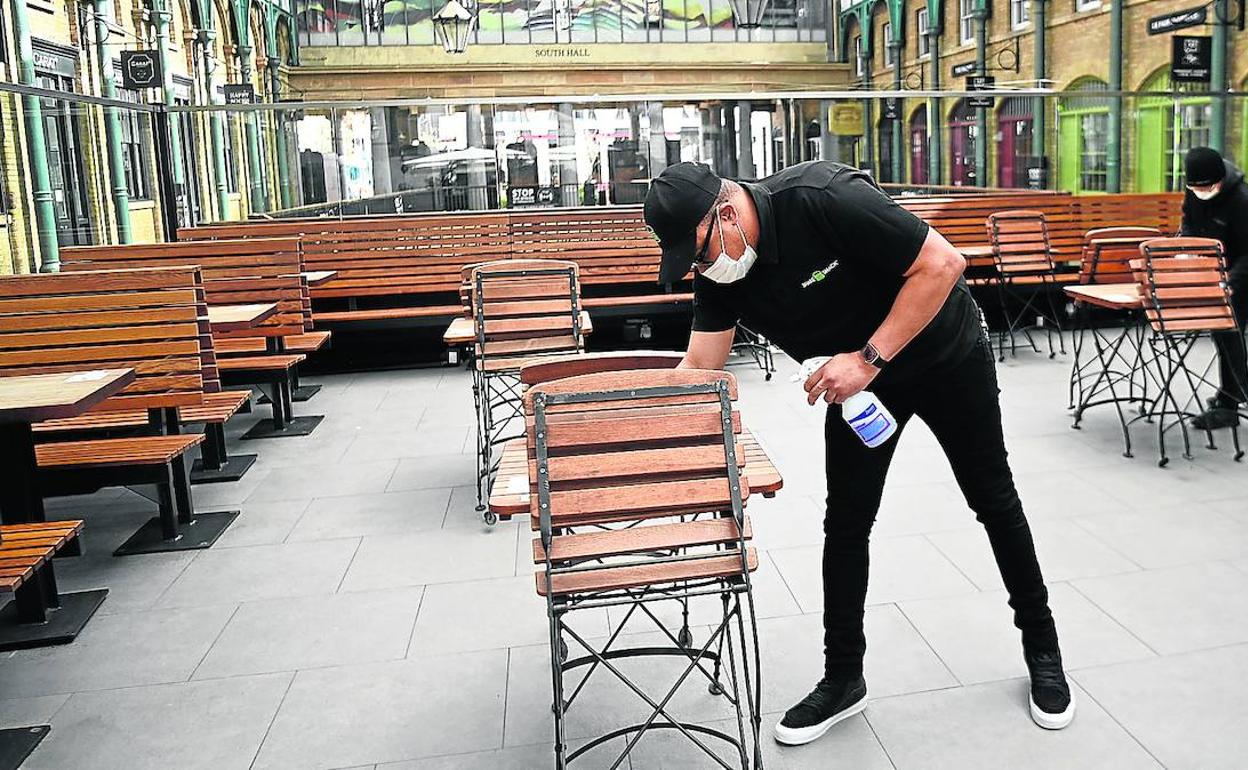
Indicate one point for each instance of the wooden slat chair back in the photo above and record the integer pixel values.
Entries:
(545, 370)
(235, 272)
(1020, 243)
(148, 319)
(523, 309)
(1185, 285)
(1108, 251)
(632, 447)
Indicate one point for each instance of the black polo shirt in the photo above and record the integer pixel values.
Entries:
(833, 250)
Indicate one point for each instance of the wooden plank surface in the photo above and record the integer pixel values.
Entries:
(1112, 296)
(37, 397)
(238, 317)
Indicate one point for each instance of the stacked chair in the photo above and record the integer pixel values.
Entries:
(1186, 300)
(637, 497)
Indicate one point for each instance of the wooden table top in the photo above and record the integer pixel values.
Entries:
(510, 495)
(1112, 296)
(318, 277)
(229, 318)
(463, 332)
(36, 397)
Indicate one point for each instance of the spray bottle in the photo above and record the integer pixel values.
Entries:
(863, 412)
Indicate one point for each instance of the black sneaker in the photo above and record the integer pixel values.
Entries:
(1216, 417)
(1052, 706)
(831, 701)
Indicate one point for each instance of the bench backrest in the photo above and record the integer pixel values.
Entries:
(611, 245)
(1184, 284)
(235, 272)
(149, 320)
(1020, 242)
(625, 446)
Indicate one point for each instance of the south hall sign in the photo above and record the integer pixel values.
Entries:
(561, 52)
(1192, 17)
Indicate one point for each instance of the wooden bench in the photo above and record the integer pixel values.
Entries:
(149, 320)
(26, 553)
(237, 272)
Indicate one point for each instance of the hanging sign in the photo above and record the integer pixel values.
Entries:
(244, 93)
(963, 69)
(981, 83)
(892, 108)
(140, 70)
(1192, 17)
(1191, 58)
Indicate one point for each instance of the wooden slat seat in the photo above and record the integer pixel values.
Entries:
(216, 408)
(111, 452)
(27, 547)
(308, 342)
(265, 363)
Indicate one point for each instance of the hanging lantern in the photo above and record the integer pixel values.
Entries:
(454, 24)
(748, 14)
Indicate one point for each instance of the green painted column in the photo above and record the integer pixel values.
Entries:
(255, 181)
(1113, 148)
(935, 132)
(118, 190)
(867, 160)
(36, 146)
(1039, 109)
(280, 123)
(216, 129)
(899, 164)
(981, 114)
(1217, 76)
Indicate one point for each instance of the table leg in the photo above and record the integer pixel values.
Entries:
(20, 502)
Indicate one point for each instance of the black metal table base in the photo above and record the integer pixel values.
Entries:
(304, 392)
(296, 426)
(17, 743)
(200, 532)
(62, 626)
(231, 469)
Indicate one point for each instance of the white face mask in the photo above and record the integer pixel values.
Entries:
(725, 269)
(1209, 194)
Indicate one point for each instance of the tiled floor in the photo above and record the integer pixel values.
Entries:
(358, 614)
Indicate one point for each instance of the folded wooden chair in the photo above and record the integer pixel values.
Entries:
(1026, 277)
(637, 497)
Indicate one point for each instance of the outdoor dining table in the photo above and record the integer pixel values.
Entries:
(24, 400)
(232, 318)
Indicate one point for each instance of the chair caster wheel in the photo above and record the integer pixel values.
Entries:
(685, 638)
(767, 378)
(491, 518)
(715, 688)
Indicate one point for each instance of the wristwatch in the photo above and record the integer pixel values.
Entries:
(873, 357)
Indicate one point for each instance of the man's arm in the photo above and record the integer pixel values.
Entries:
(928, 282)
(708, 350)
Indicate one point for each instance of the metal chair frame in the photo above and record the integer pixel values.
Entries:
(729, 589)
(748, 341)
(498, 395)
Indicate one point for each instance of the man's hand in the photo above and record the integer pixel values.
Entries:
(841, 377)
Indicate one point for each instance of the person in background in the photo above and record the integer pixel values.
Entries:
(1215, 205)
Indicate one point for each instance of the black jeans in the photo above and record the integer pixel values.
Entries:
(960, 405)
(1232, 357)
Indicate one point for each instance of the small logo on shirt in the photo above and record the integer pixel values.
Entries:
(819, 275)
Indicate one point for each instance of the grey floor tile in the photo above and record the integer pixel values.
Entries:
(444, 556)
(916, 509)
(1181, 482)
(488, 615)
(292, 634)
(988, 725)
(233, 575)
(133, 583)
(370, 446)
(1177, 609)
(230, 495)
(1188, 710)
(414, 708)
(848, 746)
(324, 481)
(263, 523)
(462, 510)
(786, 521)
(117, 651)
(210, 725)
(975, 634)
(1061, 494)
(434, 470)
(1170, 536)
(24, 712)
(383, 513)
(1065, 550)
(536, 757)
(300, 452)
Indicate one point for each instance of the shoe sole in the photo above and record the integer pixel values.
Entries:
(1053, 721)
(798, 736)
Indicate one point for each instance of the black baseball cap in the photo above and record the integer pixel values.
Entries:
(677, 201)
(1204, 166)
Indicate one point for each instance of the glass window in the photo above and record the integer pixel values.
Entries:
(886, 39)
(1087, 5)
(1093, 152)
(922, 22)
(134, 137)
(231, 163)
(1020, 13)
(858, 69)
(1193, 131)
(966, 20)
